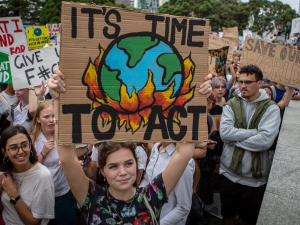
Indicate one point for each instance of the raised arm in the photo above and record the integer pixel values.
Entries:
(284, 102)
(173, 172)
(36, 95)
(77, 180)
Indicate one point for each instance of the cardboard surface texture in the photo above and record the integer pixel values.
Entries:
(37, 37)
(131, 76)
(278, 63)
(12, 37)
(216, 42)
(31, 68)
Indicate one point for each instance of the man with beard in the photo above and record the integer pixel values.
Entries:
(249, 124)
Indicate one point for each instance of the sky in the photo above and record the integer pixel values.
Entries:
(293, 3)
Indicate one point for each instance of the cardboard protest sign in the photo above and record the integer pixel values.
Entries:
(37, 37)
(211, 63)
(278, 63)
(12, 37)
(232, 32)
(296, 25)
(31, 68)
(5, 75)
(222, 54)
(216, 42)
(247, 33)
(131, 76)
(54, 29)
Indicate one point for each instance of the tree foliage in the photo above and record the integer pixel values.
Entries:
(29, 10)
(230, 13)
(52, 9)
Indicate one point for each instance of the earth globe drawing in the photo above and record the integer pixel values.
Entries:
(129, 59)
(136, 72)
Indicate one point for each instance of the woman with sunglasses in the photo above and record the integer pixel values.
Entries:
(27, 189)
(42, 132)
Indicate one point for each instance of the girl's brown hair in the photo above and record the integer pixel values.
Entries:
(196, 176)
(7, 134)
(105, 149)
(36, 127)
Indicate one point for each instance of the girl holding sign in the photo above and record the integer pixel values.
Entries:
(42, 132)
(115, 199)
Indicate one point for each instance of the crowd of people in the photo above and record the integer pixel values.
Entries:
(139, 183)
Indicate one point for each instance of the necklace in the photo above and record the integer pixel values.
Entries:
(121, 218)
(24, 177)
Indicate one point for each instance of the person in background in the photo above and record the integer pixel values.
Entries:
(218, 85)
(180, 199)
(249, 125)
(279, 29)
(20, 114)
(288, 29)
(42, 132)
(9, 94)
(4, 110)
(27, 187)
(236, 60)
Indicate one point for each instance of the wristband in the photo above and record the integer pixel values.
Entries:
(37, 99)
(43, 155)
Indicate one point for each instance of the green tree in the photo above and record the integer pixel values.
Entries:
(197, 8)
(221, 13)
(52, 9)
(28, 10)
(263, 13)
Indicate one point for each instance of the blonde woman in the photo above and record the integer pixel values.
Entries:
(42, 133)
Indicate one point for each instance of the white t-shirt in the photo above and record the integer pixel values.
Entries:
(10, 99)
(140, 152)
(51, 162)
(37, 192)
(20, 117)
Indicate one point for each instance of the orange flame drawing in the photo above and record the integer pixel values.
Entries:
(136, 109)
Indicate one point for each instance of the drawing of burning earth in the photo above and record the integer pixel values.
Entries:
(136, 72)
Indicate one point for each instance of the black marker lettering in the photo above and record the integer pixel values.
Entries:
(183, 129)
(91, 13)
(180, 26)
(74, 22)
(111, 132)
(154, 19)
(116, 26)
(76, 110)
(196, 110)
(193, 33)
(156, 111)
(27, 75)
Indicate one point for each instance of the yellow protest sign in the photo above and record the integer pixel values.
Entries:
(37, 37)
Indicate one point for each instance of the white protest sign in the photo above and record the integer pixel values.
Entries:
(54, 29)
(296, 25)
(31, 68)
(12, 37)
(247, 33)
